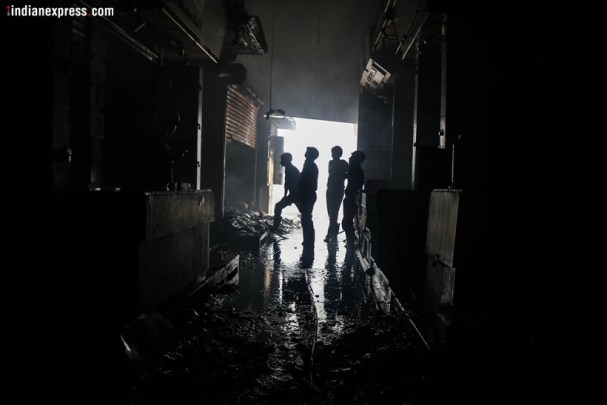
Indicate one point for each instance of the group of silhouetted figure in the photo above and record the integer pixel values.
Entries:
(344, 185)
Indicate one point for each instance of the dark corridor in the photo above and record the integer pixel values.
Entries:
(459, 112)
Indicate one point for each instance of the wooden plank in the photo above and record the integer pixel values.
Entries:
(223, 275)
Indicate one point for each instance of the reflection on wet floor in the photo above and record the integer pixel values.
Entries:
(279, 275)
(288, 333)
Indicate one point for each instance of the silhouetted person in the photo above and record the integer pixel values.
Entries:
(356, 179)
(308, 184)
(291, 188)
(338, 171)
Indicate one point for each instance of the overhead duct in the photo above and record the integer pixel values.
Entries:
(190, 31)
(203, 22)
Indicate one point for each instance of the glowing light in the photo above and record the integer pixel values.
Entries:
(323, 135)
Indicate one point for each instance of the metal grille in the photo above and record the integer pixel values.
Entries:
(241, 116)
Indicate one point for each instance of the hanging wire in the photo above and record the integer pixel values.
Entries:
(271, 111)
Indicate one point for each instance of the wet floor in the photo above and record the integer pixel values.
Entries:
(278, 278)
(286, 333)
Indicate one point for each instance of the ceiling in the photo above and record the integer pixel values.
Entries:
(316, 55)
(306, 58)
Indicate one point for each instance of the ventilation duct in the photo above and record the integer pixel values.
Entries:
(178, 30)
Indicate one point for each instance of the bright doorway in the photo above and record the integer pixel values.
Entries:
(323, 135)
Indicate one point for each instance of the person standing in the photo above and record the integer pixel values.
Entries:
(338, 171)
(291, 189)
(308, 184)
(356, 180)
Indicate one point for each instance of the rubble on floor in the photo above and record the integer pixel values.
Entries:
(255, 222)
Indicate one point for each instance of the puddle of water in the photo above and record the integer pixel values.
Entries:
(287, 333)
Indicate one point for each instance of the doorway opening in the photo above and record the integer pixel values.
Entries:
(323, 135)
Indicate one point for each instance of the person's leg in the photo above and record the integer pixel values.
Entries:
(332, 216)
(306, 218)
(347, 222)
(278, 207)
(336, 201)
(311, 232)
(307, 225)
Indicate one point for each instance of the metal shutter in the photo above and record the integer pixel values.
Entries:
(241, 115)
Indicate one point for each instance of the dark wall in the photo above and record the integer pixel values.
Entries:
(402, 138)
(400, 237)
(386, 137)
(62, 142)
(80, 99)
(123, 111)
(33, 157)
(501, 97)
(432, 168)
(429, 93)
(431, 164)
(213, 137)
(50, 311)
(181, 88)
(240, 173)
(375, 133)
(318, 51)
(264, 166)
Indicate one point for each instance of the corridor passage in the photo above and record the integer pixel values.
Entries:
(279, 279)
(287, 334)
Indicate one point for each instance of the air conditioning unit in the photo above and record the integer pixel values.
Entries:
(374, 76)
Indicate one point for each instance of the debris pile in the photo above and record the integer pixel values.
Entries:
(255, 223)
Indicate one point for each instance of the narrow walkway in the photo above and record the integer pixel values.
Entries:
(287, 334)
(278, 276)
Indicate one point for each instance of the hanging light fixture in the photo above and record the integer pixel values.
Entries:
(272, 112)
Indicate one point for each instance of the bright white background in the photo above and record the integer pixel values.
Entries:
(323, 135)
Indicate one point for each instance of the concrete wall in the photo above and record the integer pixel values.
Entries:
(319, 49)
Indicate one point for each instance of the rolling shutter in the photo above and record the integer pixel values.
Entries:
(241, 116)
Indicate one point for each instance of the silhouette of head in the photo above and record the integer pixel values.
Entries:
(286, 158)
(336, 152)
(357, 157)
(311, 153)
